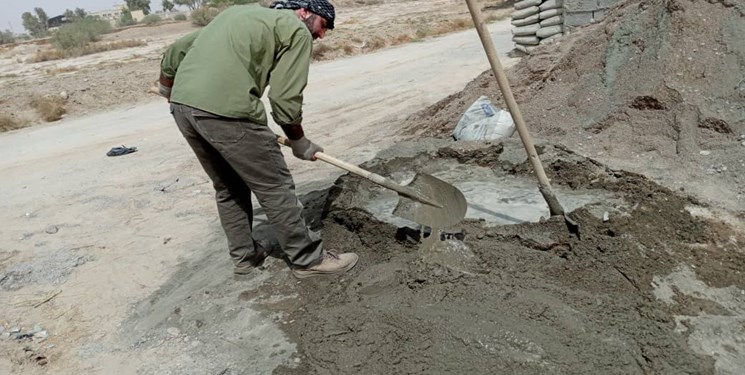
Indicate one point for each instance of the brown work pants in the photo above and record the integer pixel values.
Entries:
(241, 157)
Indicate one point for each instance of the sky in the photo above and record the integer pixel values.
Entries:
(11, 10)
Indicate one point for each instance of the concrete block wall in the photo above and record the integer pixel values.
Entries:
(582, 12)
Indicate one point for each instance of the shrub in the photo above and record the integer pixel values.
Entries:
(46, 55)
(180, 17)
(8, 123)
(151, 19)
(203, 16)
(79, 34)
(49, 108)
(7, 37)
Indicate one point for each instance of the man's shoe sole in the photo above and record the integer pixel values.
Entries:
(301, 274)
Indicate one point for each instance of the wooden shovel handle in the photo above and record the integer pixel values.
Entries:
(374, 177)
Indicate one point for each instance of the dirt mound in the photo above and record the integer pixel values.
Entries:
(536, 300)
(656, 79)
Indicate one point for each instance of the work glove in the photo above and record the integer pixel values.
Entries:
(304, 149)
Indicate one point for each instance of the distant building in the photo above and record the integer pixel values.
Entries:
(112, 15)
(55, 22)
(137, 15)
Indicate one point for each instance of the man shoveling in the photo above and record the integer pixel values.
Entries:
(218, 75)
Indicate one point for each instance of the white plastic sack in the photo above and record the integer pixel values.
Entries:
(482, 121)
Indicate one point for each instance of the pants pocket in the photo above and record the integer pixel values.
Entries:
(219, 129)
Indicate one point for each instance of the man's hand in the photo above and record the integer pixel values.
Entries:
(304, 149)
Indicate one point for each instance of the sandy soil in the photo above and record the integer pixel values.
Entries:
(98, 82)
(122, 262)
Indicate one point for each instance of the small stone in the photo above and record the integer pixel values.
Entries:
(743, 143)
(15, 330)
(705, 152)
(37, 328)
(480, 236)
(52, 229)
(173, 331)
(64, 95)
(41, 336)
(606, 216)
(297, 360)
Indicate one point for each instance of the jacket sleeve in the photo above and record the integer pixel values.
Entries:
(289, 78)
(175, 53)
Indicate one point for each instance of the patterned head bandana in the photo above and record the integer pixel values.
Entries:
(320, 7)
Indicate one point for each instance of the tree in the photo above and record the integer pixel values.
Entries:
(126, 19)
(43, 18)
(34, 24)
(191, 4)
(143, 5)
(167, 5)
(76, 15)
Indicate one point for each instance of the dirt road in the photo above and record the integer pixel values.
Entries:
(108, 232)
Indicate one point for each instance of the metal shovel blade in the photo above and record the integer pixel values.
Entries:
(450, 211)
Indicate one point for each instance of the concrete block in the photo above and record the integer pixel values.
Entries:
(599, 14)
(573, 19)
(580, 5)
(606, 3)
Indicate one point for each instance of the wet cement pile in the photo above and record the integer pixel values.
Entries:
(656, 79)
(532, 299)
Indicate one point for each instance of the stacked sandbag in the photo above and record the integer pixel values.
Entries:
(536, 22)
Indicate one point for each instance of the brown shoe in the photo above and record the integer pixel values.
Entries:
(329, 264)
(263, 249)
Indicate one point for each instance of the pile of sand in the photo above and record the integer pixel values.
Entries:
(657, 79)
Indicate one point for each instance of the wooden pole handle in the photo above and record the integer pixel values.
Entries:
(374, 177)
(504, 86)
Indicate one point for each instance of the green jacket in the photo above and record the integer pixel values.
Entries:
(225, 67)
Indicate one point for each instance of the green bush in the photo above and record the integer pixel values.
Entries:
(180, 17)
(151, 19)
(79, 34)
(7, 37)
(203, 16)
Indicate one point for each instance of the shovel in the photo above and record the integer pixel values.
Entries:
(426, 200)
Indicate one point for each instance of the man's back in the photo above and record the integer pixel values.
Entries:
(228, 66)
